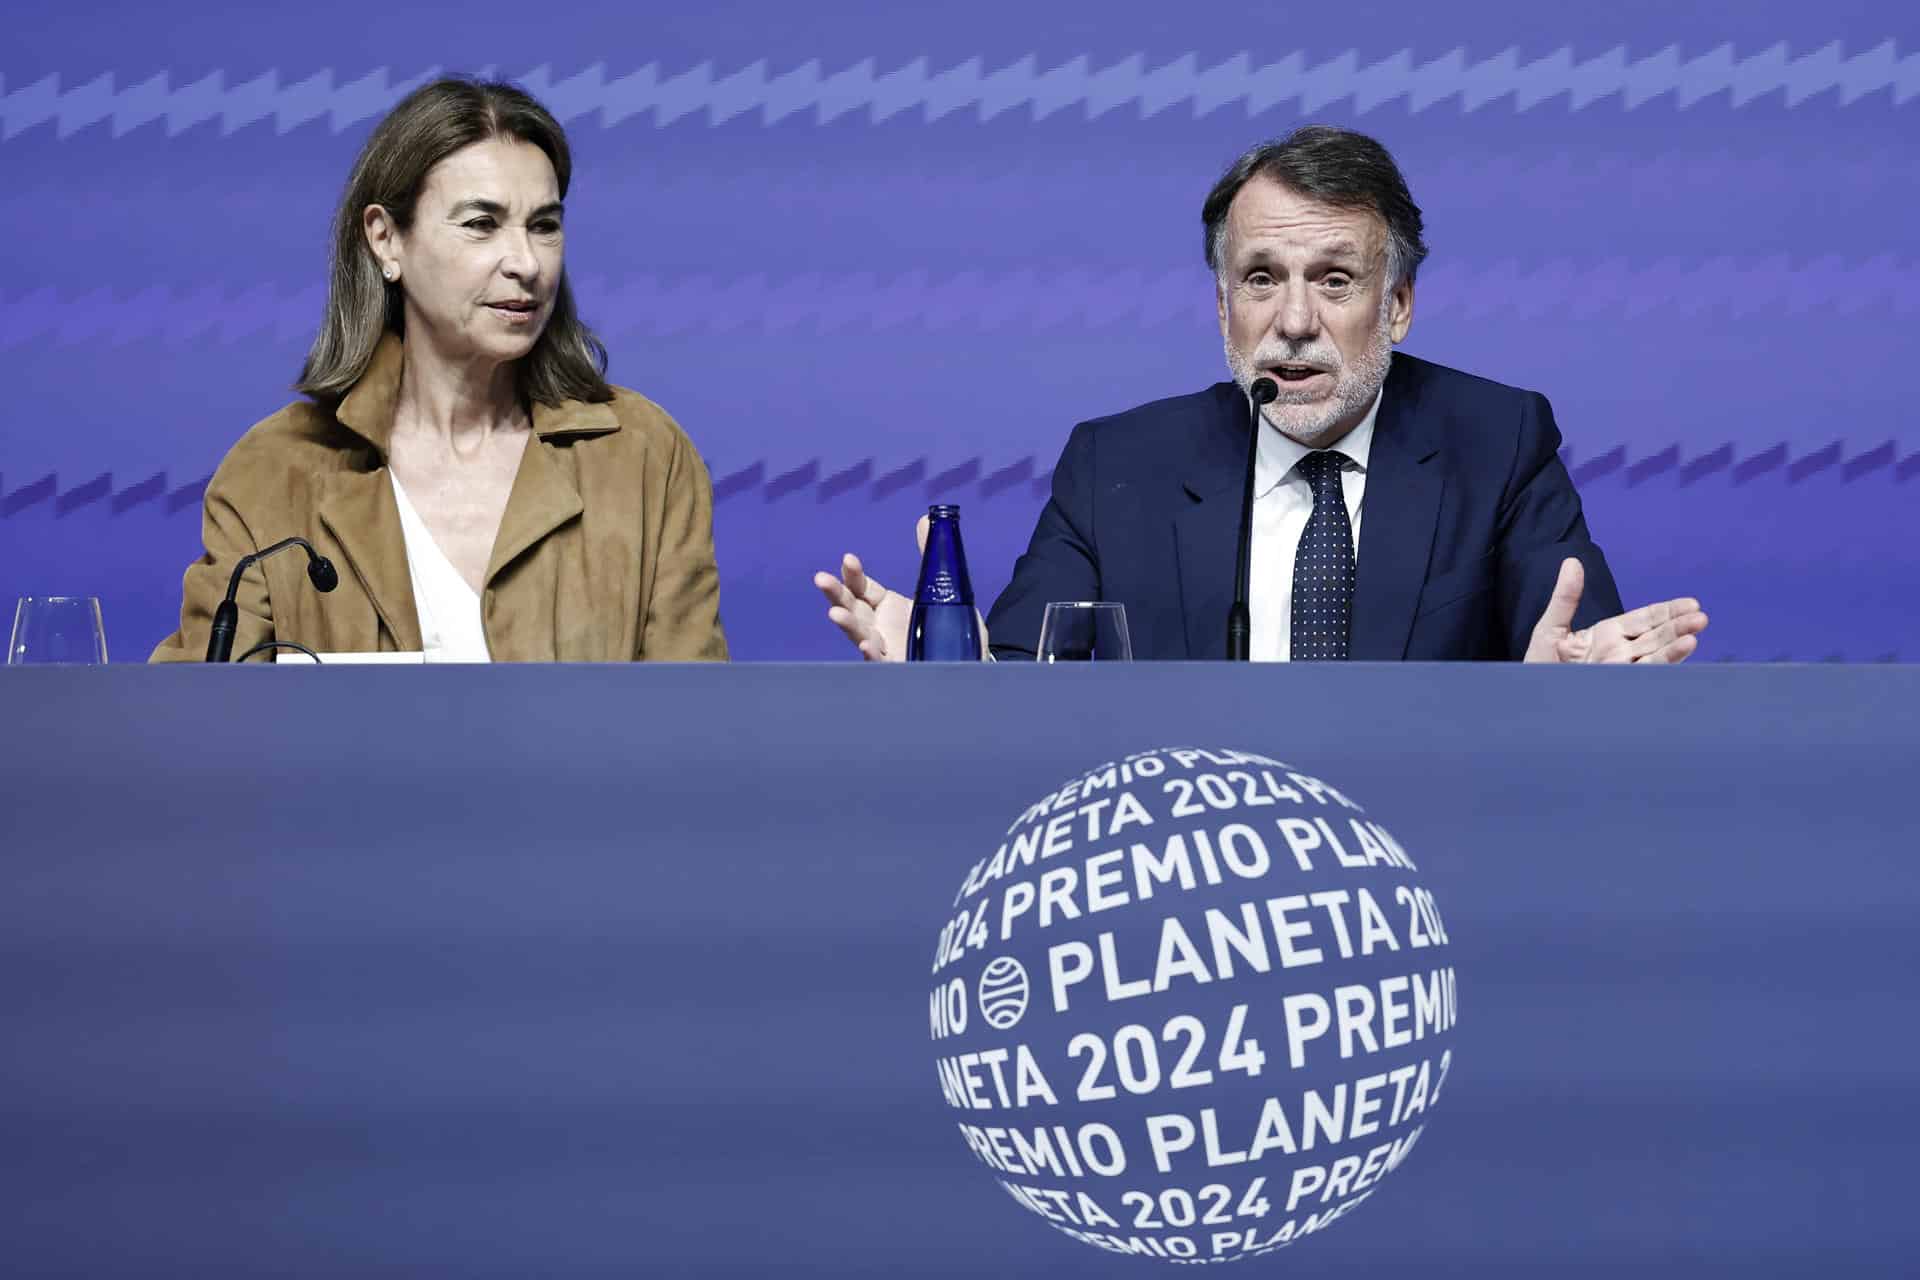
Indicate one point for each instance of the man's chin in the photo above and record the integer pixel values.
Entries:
(1309, 430)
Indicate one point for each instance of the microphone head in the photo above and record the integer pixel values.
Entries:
(321, 573)
(1263, 391)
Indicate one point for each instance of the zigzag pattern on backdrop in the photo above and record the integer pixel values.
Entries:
(862, 479)
(669, 95)
(665, 306)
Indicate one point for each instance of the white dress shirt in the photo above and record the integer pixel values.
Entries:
(449, 609)
(1282, 502)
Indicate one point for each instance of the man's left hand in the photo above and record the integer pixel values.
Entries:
(1661, 632)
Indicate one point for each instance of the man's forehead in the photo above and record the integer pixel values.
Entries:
(1266, 215)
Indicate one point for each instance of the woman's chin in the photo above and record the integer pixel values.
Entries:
(506, 348)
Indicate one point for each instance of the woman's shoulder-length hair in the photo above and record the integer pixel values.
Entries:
(567, 361)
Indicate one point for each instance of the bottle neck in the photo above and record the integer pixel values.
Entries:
(943, 569)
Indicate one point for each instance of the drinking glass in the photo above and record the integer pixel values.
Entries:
(1084, 631)
(57, 629)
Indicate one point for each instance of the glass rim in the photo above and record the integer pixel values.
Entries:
(93, 600)
(1085, 604)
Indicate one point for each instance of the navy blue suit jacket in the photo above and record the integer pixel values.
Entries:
(1468, 515)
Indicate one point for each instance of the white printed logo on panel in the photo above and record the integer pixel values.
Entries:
(1003, 993)
(1216, 1005)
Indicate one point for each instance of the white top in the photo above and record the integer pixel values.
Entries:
(1281, 504)
(450, 629)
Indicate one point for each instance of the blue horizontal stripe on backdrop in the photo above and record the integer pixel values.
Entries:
(738, 32)
(933, 89)
(990, 370)
(1778, 590)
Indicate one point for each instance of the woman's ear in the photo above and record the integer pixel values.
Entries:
(383, 237)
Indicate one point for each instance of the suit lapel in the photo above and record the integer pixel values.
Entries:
(1404, 486)
(358, 509)
(1206, 533)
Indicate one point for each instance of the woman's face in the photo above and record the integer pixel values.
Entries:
(481, 263)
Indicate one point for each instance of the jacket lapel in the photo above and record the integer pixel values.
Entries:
(1404, 486)
(543, 498)
(357, 506)
(358, 509)
(1206, 533)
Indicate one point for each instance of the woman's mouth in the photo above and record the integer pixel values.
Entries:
(514, 311)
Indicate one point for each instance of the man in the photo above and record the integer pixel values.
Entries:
(1403, 510)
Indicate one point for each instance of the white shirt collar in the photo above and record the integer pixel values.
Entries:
(1278, 455)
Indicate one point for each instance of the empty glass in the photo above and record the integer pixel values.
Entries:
(57, 629)
(1084, 631)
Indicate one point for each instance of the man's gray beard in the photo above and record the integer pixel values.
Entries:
(1313, 424)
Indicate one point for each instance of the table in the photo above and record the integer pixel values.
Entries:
(585, 971)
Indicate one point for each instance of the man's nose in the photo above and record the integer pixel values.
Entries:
(1297, 320)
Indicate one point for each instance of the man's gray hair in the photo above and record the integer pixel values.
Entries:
(1334, 166)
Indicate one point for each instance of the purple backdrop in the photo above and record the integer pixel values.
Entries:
(870, 256)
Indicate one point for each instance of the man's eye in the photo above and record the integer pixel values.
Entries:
(546, 227)
(1259, 280)
(478, 224)
(1337, 283)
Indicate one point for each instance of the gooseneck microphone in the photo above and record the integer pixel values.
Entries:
(1239, 619)
(226, 618)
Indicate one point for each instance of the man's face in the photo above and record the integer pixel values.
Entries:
(1304, 299)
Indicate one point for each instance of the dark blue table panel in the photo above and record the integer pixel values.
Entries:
(596, 971)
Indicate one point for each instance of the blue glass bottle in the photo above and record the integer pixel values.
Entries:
(944, 626)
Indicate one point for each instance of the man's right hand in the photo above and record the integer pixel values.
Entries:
(871, 616)
(874, 618)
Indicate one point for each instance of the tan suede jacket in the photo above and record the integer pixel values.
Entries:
(605, 552)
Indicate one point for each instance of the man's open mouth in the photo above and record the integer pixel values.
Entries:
(1295, 372)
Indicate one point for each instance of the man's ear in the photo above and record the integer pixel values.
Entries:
(383, 237)
(1220, 302)
(1402, 310)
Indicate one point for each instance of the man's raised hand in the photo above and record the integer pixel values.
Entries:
(1663, 632)
(871, 616)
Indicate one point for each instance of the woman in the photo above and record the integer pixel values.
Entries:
(482, 490)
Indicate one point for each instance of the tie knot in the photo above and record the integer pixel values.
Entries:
(1321, 467)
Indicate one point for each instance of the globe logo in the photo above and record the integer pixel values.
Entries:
(1215, 1005)
(1003, 993)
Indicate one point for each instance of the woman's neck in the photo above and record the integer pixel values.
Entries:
(459, 401)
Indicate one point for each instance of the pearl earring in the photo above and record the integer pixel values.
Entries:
(391, 272)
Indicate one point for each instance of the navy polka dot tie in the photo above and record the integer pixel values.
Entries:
(1323, 570)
